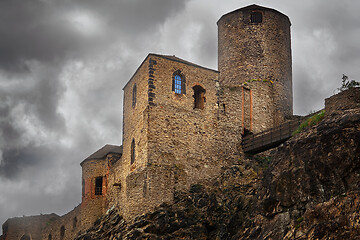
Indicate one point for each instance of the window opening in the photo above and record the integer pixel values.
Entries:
(98, 185)
(256, 17)
(178, 82)
(50, 236)
(75, 222)
(134, 96)
(199, 97)
(132, 152)
(62, 232)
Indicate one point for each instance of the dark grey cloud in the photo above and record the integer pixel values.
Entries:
(63, 64)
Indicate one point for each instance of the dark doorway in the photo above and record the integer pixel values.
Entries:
(98, 185)
(199, 97)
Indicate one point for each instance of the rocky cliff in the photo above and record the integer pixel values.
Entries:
(307, 188)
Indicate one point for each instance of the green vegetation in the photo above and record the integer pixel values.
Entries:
(263, 160)
(347, 84)
(298, 221)
(311, 121)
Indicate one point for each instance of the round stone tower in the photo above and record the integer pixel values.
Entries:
(94, 187)
(254, 60)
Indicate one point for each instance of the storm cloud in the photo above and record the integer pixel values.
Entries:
(63, 64)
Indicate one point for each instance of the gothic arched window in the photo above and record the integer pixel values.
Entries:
(178, 82)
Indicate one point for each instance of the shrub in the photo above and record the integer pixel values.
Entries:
(311, 121)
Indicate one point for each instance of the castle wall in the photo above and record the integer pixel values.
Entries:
(262, 94)
(179, 134)
(135, 120)
(135, 127)
(181, 139)
(93, 205)
(31, 226)
(114, 196)
(64, 227)
(174, 143)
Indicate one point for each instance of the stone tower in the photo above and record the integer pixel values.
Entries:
(170, 114)
(254, 60)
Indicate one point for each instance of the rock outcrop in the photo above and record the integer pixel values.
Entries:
(307, 188)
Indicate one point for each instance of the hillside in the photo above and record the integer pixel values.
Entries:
(307, 188)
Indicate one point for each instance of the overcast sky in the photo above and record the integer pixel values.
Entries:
(63, 65)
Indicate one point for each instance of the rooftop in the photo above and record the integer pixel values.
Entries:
(105, 150)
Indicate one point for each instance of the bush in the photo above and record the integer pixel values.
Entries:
(311, 121)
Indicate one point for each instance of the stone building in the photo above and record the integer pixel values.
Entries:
(182, 123)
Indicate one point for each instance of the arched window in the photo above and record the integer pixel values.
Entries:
(50, 236)
(199, 98)
(134, 96)
(178, 83)
(132, 152)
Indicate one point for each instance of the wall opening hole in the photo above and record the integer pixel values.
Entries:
(75, 222)
(246, 133)
(98, 185)
(256, 17)
(199, 97)
(62, 232)
(132, 152)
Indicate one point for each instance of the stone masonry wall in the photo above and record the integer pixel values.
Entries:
(175, 143)
(114, 189)
(70, 223)
(15, 228)
(134, 127)
(44, 227)
(263, 112)
(180, 134)
(181, 139)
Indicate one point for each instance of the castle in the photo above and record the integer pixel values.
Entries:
(182, 123)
